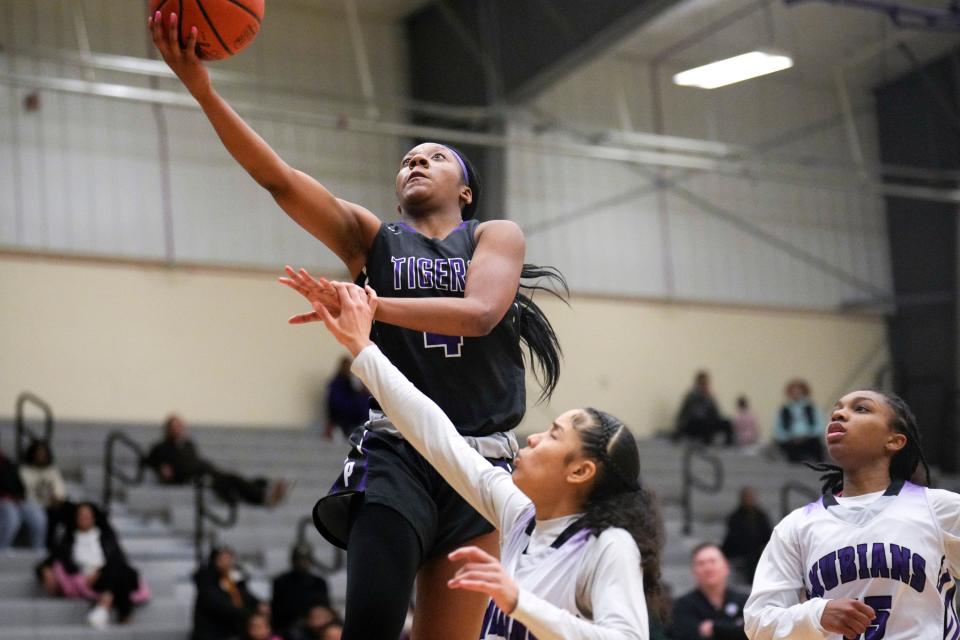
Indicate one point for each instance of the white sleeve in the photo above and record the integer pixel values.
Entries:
(774, 610)
(613, 588)
(946, 509)
(488, 489)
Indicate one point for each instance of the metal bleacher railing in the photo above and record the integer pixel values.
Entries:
(794, 487)
(112, 470)
(339, 555)
(203, 514)
(691, 482)
(24, 434)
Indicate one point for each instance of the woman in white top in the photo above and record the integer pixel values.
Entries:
(580, 539)
(876, 557)
(44, 486)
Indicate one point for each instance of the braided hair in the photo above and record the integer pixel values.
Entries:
(908, 464)
(617, 498)
(543, 350)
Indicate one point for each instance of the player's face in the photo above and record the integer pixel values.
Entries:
(859, 431)
(541, 467)
(710, 568)
(430, 176)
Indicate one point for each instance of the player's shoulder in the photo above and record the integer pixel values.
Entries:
(616, 541)
(499, 229)
(799, 516)
(943, 502)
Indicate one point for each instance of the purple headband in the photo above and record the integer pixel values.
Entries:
(463, 166)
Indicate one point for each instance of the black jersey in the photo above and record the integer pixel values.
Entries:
(477, 381)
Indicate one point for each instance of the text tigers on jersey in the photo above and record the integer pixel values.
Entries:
(435, 274)
(864, 562)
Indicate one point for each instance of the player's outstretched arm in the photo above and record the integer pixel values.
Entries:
(488, 489)
(346, 228)
(491, 286)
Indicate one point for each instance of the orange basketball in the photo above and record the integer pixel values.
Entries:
(224, 27)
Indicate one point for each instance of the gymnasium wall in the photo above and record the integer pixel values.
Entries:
(107, 342)
(706, 236)
(113, 177)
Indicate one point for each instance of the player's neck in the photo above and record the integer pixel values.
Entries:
(557, 509)
(867, 479)
(435, 223)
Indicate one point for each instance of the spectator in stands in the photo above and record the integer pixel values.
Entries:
(315, 624)
(176, 461)
(699, 417)
(223, 602)
(16, 510)
(348, 403)
(745, 426)
(89, 563)
(332, 631)
(799, 425)
(44, 486)
(748, 531)
(258, 628)
(297, 590)
(712, 610)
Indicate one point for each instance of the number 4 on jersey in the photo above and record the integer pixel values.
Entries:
(452, 345)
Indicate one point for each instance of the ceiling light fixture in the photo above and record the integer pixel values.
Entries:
(735, 69)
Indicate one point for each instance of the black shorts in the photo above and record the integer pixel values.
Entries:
(386, 470)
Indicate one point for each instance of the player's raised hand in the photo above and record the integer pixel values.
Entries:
(313, 289)
(846, 616)
(485, 574)
(183, 61)
(357, 307)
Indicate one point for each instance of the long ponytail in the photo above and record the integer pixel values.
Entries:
(534, 329)
(618, 499)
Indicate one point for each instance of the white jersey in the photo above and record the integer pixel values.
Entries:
(897, 551)
(573, 585)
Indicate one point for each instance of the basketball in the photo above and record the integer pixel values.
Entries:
(224, 26)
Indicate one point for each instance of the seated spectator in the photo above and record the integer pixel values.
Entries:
(699, 418)
(348, 403)
(748, 530)
(746, 429)
(297, 591)
(44, 486)
(258, 628)
(89, 563)
(176, 461)
(712, 610)
(315, 624)
(223, 602)
(16, 511)
(799, 426)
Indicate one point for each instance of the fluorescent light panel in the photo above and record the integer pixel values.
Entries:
(735, 69)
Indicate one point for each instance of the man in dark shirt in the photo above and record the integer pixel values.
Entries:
(297, 591)
(176, 461)
(748, 531)
(712, 610)
(699, 417)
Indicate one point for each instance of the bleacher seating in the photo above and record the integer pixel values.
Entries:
(156, 523)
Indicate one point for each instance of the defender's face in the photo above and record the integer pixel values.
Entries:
(541, 467)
